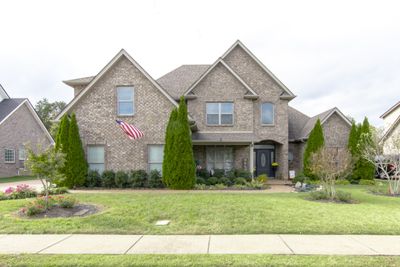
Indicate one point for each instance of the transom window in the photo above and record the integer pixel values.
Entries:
(156, 155)
(219, 113)
(95, 158)
(126, 96)
(267, 113)
(9, 156)
(219, 158)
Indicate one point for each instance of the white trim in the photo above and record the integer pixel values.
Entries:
(239, 43)
(339, 113)
(105, 70)
(3, 94)
(390, 129)
(220, 113)
(33, 112)
(390, 110)
(220, 60)
(126, 101)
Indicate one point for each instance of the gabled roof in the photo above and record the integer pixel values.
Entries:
(9, 106)
(296, 119)
(79, 81)
(3, 93)
(121, 54)
(391, 128)
(240, 44)
(180, 79)
(390, 110)
(216, 63)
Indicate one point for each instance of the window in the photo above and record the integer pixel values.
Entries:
(9, 156)
(219, 158)
(95, 158)
(21, 153)
(125, 95)
(219, 113)
(267, 113)
(156, 155)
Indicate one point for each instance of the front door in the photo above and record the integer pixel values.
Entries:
(264, 159)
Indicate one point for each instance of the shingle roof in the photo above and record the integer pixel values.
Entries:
(180, 79)
(297, 120)
(311, 123)
(9, 105)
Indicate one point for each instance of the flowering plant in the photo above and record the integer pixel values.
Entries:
(274, 164)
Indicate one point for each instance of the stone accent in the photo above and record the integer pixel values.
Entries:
(20, 128)
(96, 113)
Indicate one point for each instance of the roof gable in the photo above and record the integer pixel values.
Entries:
(287, 93)
(122, 53)
(392, 127)
(3, 94)
(250, 92)
(390, 110)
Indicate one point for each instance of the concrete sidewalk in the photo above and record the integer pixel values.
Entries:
(201, 244)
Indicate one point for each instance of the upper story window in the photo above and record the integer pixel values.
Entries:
(9, 156)
(125, 98)
(219, 113)
(267, 113)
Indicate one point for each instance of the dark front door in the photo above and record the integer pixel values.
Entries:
(264, 159)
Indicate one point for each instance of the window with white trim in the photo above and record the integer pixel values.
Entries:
(95, 158)
(21, 153)
(9, 156)
(219, 113)
(126, 101)
(267, 113)
(155, 158)
(219, 158)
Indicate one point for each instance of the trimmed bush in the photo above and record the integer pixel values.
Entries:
(93, 179)
(200, 180)
(367, 182)
(212, 181)
(108, 179)
(344, 196)
(319, 195)
(240, 173)
(226, 181)
(20, 192)
(240, 181)
(155, 179)
(342, 182)
(203, 173)
(138, 178)
(231, 174)
(121, 179)
(299, 178)
(219, 173)
(56, 191)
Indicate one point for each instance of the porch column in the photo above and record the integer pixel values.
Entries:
(251, 163)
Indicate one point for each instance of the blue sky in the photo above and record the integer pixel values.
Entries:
(329, 53)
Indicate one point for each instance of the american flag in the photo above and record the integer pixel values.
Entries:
(130, 130)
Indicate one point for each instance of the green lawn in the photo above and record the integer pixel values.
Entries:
(217, 213)
(16, 179)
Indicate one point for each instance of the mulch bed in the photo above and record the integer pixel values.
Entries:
(79, 210)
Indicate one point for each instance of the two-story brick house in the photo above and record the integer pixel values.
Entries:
(239, 112)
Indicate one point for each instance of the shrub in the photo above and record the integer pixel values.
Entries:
(342, 182)
(212, 181)
(240, 186)
(20, 192)
(231, 174)
(108, 178)
(219, 173)
(121, 179)
(243, 174)
(263, 178)
(200, 186)
(219, 186)
(319, 195)
(226, 181)
(367, 182)
(138, 178)
(200, 180)
(343, 196)
(203, 173)
(255, 185)
(66, 202)
(56, 191)
(32, 209)
(300, 178)
(240, 181)
(3, 196)
(155, 179)
(93, 179)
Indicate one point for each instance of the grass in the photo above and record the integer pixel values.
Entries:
(195, 260)
(217, 213)
(16, 179)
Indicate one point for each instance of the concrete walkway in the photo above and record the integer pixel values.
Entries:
(201, 244)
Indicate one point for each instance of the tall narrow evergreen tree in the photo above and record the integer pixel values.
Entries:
(314, 143)
(77, 165)
(62, 145)
(353, 140)
(168, 162)
(364, 169)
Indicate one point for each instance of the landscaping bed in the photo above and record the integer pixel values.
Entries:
(79, 210)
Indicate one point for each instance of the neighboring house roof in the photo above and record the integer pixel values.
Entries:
(222, 62)
(180, 79)
(390, 110)
(79, 81)
(9, 106)
(122, 53)
(296, 119)
(3, 93)
(391, 128)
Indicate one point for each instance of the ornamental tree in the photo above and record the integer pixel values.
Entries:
(314, 143)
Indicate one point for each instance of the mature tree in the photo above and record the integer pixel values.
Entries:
(314, 143)
(77, 168)
(330, 165)
(354, 136)
(45, 165)
(47, 111)
(168, 161)
(180, 171)
(363, 169)
(388, 165)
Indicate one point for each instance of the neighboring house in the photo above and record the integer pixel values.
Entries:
(391, 119)
(19, 126)
(238, 110)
